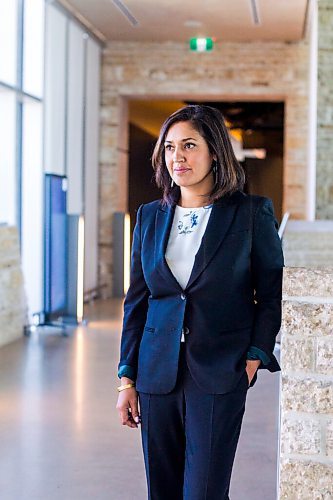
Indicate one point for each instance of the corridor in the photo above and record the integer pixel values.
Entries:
(60, 434)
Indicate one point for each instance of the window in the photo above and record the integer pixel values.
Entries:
(32, 203)
(8, 41)
(21, 132)
(33, 47)
(8, 182)
(21, 78)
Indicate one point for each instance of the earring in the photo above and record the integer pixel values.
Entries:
(172, 183)
(215, 170)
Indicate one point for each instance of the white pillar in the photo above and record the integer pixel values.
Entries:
(312, 117)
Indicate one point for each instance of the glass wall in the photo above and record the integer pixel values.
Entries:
(9, 22)
(33, 47)
(21, 82)
(9, 41)
(8, 177)
(49, 106)
(21, 133)
(32, 204)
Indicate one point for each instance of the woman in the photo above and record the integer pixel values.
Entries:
(202, 310)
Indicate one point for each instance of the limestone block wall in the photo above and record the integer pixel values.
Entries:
(324, 168)
(308, 243)
(306, 424)
(13, 310)
(232, 71)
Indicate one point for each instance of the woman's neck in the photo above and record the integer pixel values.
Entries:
(190, 202)
(191, 197)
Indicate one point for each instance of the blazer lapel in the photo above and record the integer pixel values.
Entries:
(163, 224)
(221, 217)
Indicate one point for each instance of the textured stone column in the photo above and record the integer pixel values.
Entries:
(306, 432)
(13, 309)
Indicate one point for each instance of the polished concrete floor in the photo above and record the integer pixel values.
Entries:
(60, 433)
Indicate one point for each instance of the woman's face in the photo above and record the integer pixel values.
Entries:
(187, 156)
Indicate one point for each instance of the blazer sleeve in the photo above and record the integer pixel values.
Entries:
(267, 269)
(135, 308)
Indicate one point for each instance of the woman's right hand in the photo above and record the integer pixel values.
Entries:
(127, 406)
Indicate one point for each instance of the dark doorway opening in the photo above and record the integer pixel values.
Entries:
(253, 126)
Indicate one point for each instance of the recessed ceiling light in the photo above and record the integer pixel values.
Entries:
(192, 23)
(255, 12)
(126, 12)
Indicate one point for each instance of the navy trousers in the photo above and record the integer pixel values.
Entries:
(189, 438)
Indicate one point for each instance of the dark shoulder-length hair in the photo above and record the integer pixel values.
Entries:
(209, 122)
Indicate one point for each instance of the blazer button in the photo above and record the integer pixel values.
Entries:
(183, 296)
(186, 330)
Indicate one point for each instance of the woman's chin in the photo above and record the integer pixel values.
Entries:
(183, 183)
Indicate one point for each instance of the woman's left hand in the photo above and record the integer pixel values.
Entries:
(251, 368)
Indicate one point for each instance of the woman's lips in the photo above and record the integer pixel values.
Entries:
(181, 170)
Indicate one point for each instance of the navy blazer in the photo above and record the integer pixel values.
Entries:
(232, 300)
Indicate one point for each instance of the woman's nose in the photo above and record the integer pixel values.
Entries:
(177, 155)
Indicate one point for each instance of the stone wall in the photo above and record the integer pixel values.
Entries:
(306, 424)
(308, 243)
(13, 310)
(232, 71)
(324, 168)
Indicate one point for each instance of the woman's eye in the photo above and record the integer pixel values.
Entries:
(168, 147)
(189, 145)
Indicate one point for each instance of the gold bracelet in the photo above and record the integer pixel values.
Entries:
(126, 386)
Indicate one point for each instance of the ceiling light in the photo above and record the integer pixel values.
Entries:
(255, 12)
(126, 12)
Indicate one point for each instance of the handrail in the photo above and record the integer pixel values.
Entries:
(283, 224)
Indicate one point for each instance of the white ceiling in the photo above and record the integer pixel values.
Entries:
(225, 20)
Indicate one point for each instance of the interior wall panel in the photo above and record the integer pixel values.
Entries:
(74, 140)
(55, 90)
(91, 164)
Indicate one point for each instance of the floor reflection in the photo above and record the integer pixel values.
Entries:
(61, 438)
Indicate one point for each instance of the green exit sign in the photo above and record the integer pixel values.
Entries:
(201, 44)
